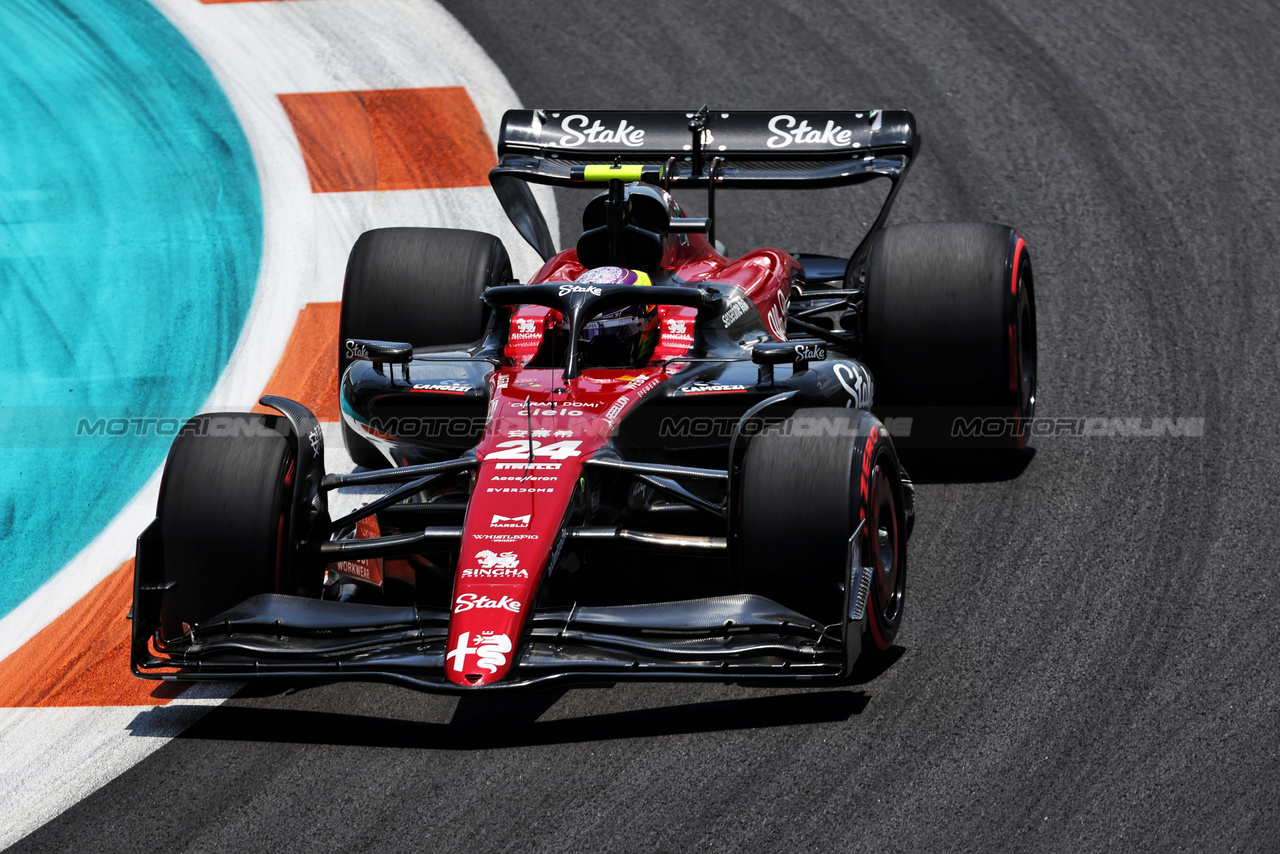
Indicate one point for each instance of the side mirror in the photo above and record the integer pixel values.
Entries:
(378, 351)
(778, 353)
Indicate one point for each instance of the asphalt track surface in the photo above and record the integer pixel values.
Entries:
(1089, 654)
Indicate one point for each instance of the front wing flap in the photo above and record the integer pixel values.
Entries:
(726, 638)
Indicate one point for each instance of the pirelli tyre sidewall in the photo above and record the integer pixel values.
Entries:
(951, 334)
(223, 510)
(807, 484)
(421, 286)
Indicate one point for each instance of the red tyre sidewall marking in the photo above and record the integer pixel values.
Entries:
(280, 530)
(868, 458)
(1013, 340)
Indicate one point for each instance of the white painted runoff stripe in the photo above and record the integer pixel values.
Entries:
(53, 758)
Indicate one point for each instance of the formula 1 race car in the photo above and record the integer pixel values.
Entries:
(650, 461)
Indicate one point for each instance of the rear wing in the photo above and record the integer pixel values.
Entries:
(713, 149)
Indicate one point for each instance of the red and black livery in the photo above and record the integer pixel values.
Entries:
(729, 506)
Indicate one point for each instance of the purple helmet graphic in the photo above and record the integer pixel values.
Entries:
(613, 276)
(624, 336)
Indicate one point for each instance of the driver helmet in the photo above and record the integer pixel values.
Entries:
(623, 336)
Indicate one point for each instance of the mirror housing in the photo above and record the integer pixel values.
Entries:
(782, 353)
(394, 352)
(798, 354)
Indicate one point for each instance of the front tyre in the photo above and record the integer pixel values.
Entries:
(806, 486)
(223, 511)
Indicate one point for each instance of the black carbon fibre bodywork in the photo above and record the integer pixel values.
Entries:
(666, 483)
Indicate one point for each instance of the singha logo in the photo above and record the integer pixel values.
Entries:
(493, 560)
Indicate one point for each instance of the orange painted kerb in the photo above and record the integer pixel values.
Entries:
(308, 370)
(82, 658)
(391, 139)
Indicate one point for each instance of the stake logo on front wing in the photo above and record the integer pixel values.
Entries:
(489, 648)
(468, 601)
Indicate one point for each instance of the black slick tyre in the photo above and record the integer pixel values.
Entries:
(806, 486)
(416, 285)
(951, 333)
(224, 501)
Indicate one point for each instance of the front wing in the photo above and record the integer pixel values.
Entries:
(727, 638)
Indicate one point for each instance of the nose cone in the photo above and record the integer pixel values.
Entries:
(482, 637)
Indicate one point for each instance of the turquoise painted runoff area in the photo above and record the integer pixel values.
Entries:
(130, 240)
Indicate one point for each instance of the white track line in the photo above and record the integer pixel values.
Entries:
(51, 758)
(55, 757)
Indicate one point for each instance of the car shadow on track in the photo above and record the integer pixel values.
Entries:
(472, 725)
(943, 466)
(869, 667)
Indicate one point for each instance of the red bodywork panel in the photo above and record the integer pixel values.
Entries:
(540, 429)
(530, 461)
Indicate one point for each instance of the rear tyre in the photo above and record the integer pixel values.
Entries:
(805, 489)
(419, 285)
(224, 502)
(951, 333)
